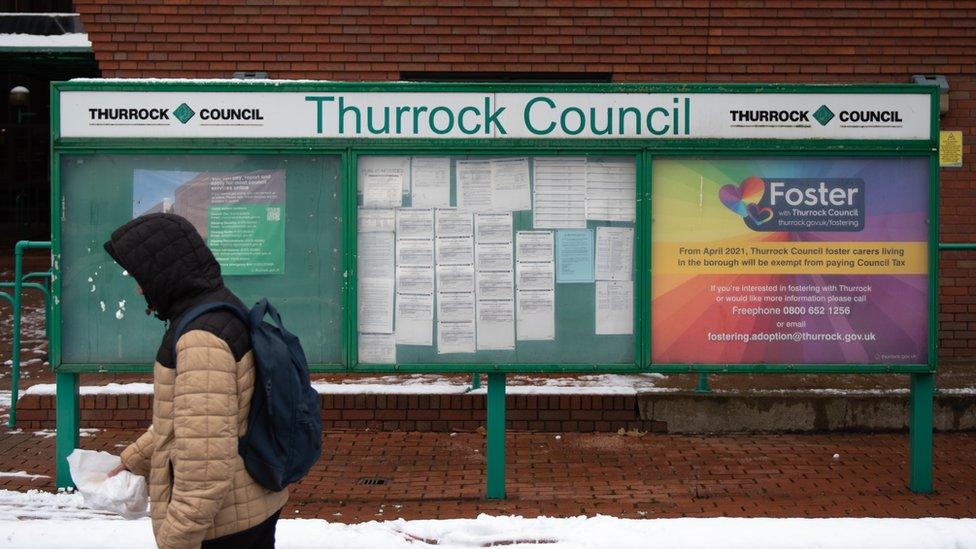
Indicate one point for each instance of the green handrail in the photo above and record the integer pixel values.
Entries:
(48, 277)
(18, 285)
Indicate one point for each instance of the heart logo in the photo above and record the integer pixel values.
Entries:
(759, 215)
(738, 198)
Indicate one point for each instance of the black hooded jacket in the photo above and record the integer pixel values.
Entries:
(169, 260)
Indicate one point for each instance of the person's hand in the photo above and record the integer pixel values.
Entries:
(117, 470)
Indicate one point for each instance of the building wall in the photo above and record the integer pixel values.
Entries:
(828, 41)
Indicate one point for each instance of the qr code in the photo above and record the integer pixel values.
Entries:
(274, 214)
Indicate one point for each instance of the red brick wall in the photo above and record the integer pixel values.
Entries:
(827, 41)
(429, 413)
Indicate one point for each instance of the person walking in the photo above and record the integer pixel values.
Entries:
(200, 493)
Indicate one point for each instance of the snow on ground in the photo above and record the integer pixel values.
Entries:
(51, 433)
(35, 504)
(38, 519)
(21, 474)
(518, 532)
(5, 397)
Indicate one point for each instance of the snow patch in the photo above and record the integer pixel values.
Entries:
(485, 531)
(35, 504)
(51, 433)
(21, 474)
(431, 384)
(424, 384)
(54, 41)
(110, 389)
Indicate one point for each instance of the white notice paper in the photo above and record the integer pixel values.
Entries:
(414, 280)
(455, 278)
(491, 227)
(614, 253)
(536, 315)
(394, 166)
(381, 190)
(377, 349)
(415, 223)
(474, 190)
(534, 246)
(496, 325)
(375, 312)
(493, 257)
(495, 285)
(560, 193)
(376, 221)
(415, 252)
(455, 337)
(454, 223)
(534, 276)
(415, 319)
(455, 251)
(455, 307)
(614, 307)
(510, 185)
(611, 187)
(431, 181)
(375, 255)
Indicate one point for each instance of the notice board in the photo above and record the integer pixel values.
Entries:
(495, 227)
(273, 222)
(497, 259)
(790, 260)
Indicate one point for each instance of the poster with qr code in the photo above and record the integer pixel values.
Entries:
(241, 215)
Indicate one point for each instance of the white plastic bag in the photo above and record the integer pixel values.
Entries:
(124, 494)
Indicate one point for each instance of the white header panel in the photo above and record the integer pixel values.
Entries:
(201, 114)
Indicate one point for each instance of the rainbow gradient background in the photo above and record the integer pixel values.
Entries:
(686, 209)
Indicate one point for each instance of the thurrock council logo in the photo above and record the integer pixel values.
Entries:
(160, 116)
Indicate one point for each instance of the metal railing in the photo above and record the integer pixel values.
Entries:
(18, 286)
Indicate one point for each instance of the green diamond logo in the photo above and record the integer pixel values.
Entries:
(823, 115)
(184, 113)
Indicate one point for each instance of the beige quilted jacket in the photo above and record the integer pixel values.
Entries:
(198, 487)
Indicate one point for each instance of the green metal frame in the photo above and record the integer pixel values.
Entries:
(644, 150)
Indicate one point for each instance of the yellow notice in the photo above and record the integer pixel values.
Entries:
(815, 258)
(950, 149)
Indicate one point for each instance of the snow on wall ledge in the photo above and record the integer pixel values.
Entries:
(423, 384)
(45, 42)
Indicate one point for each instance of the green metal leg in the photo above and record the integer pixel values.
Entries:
(920, 433)
(475, 382)
(703, 384)
(496, 436)
(67, 416)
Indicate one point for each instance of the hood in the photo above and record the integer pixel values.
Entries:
(166, 256)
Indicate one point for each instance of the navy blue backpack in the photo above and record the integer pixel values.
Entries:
(284, 428)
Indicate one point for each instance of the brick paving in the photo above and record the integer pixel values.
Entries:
(441, 475)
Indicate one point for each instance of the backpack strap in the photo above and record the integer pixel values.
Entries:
(201, 310)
